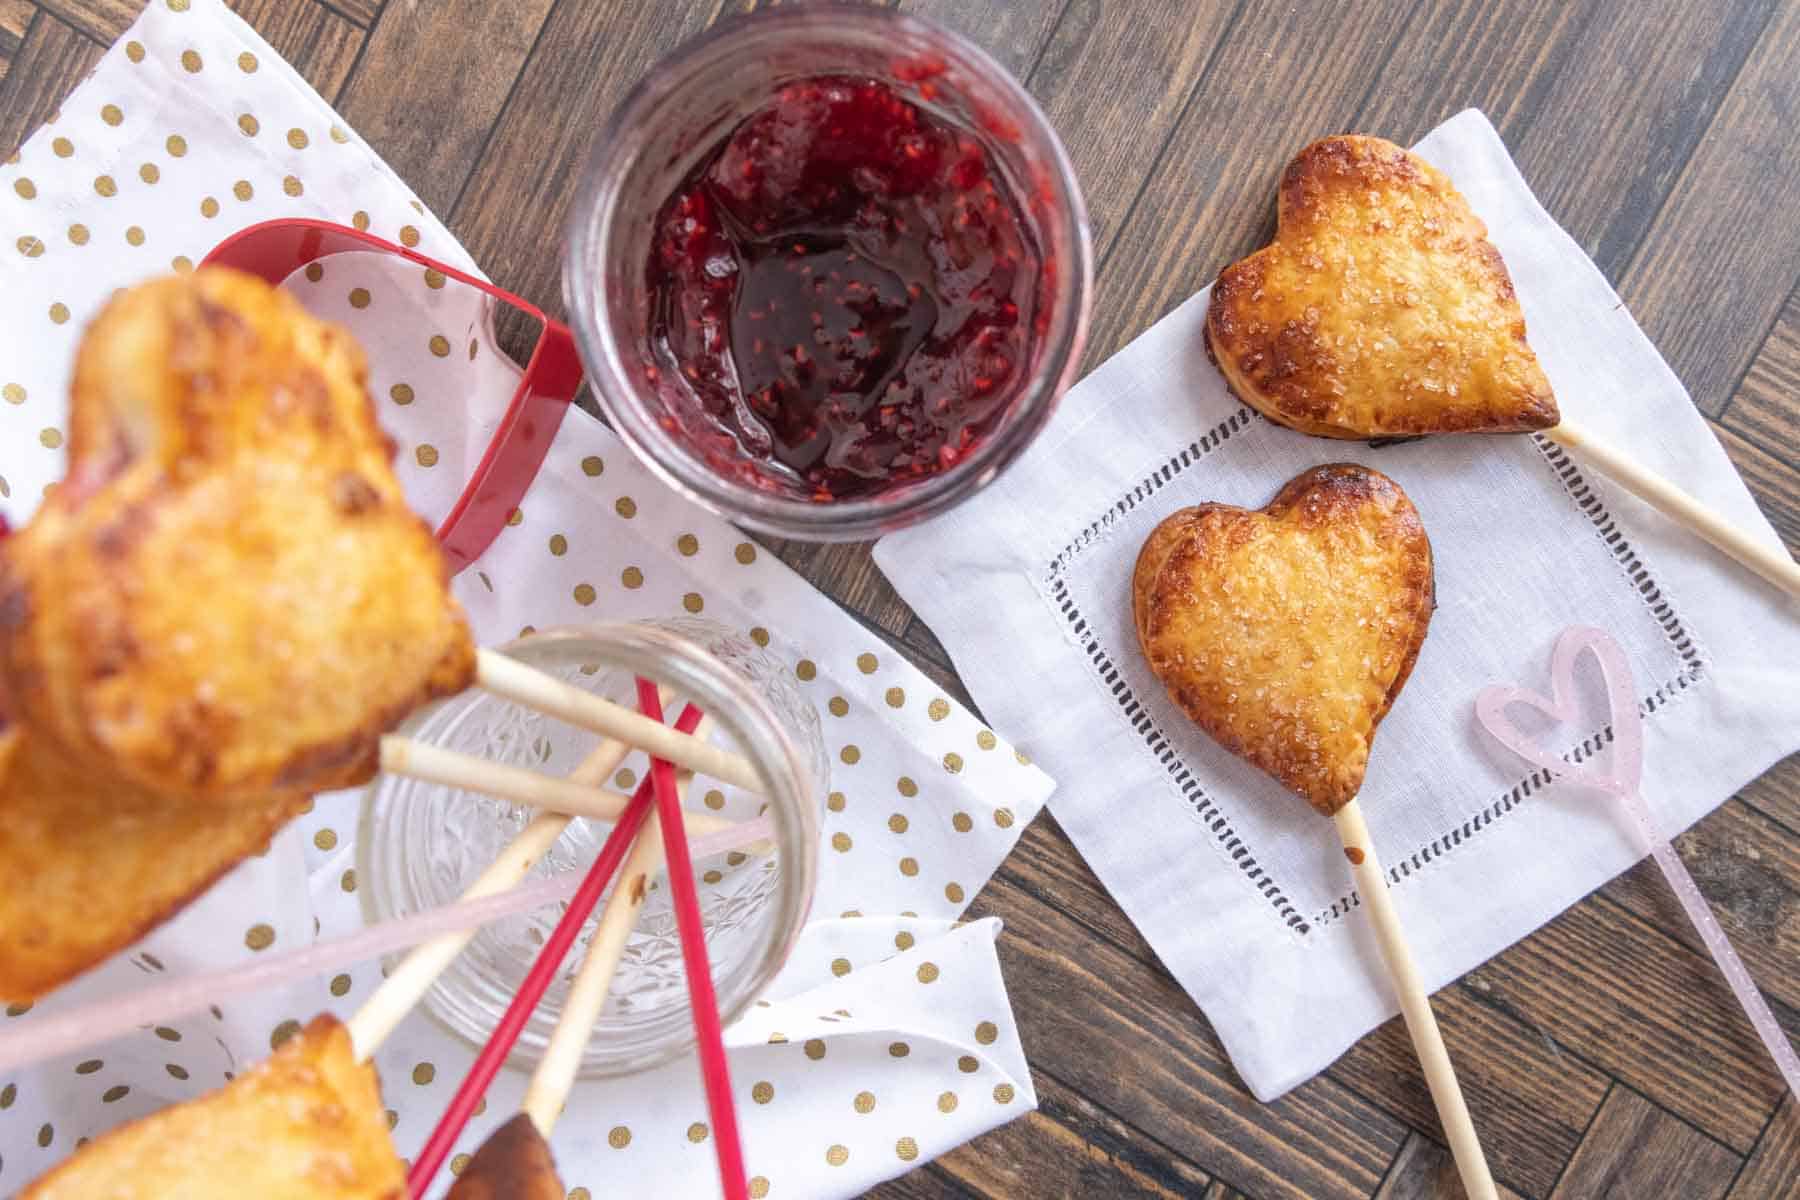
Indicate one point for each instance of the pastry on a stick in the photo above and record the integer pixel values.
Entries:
(307, 1123)
(1285, 633)
(513, 1164)
(1380, 309)
(217, 612)
(92, 862)
(227, 594)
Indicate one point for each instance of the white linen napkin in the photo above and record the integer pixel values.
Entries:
(923, 802)
(1241, 889)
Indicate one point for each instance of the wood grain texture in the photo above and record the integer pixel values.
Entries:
(1603, 154)
(1211, 196)
(1114, 84)
(1602, 1055)
(15, 17)
(1771, 478)
(1507, 58)
(1530, 1102)
(1087, 1014)
(857, 583)
(1748, 868)
(930, 1182)
(1072, 1148)
(1634, 1002)
(587, 56)
(1636, 1150)
(363, 12)
(426, 102)
(1716, 266)
(105, 20)
(1424, 1170)
(1772, 1171)
(1765, 410)
(101, 20)
(320, 43)
(1776, 794)
(1013, 33)
(51, 59)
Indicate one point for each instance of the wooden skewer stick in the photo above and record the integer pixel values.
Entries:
(1767, 559)
(408, 983)
(1415, 1005)
(532, 688)
(402, 990)
(556, 1071)
(435, 764)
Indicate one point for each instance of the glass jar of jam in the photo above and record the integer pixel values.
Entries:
(829, 270)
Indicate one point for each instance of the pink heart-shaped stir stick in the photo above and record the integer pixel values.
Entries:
(1621, 782)
(1622, 713)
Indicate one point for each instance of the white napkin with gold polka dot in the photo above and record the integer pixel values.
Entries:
(887, 1039)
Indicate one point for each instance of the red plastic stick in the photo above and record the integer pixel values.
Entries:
(537, 981)
(701, 998)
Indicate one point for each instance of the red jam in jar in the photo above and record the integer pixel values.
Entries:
(845, 288)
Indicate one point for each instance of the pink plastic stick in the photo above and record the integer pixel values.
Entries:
(1622, 782)
(37, 1038)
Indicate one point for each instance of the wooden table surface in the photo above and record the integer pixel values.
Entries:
(1661, 133)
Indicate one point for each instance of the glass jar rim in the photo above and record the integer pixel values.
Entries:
(620, 145)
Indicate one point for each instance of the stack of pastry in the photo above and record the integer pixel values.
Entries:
(217, 612)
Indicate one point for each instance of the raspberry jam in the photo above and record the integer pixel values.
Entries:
(845, 289)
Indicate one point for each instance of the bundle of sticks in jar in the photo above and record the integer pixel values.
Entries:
(225, 607)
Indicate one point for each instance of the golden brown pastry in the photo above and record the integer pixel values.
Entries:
(227, 595)
(92, 862)
(1287, 632)
(1379, 310)
(513, 1164)
(306, 1124)
(218, 611)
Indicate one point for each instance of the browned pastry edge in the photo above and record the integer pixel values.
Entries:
(1346, 486)
(514, 1163)
(1315, 168)
(133, 861)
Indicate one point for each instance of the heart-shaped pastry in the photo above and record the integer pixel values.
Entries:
(305, 1122)
(218, 611)
(227, 595)
(1286, 633)
(513, 1164)
(1379, 310)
